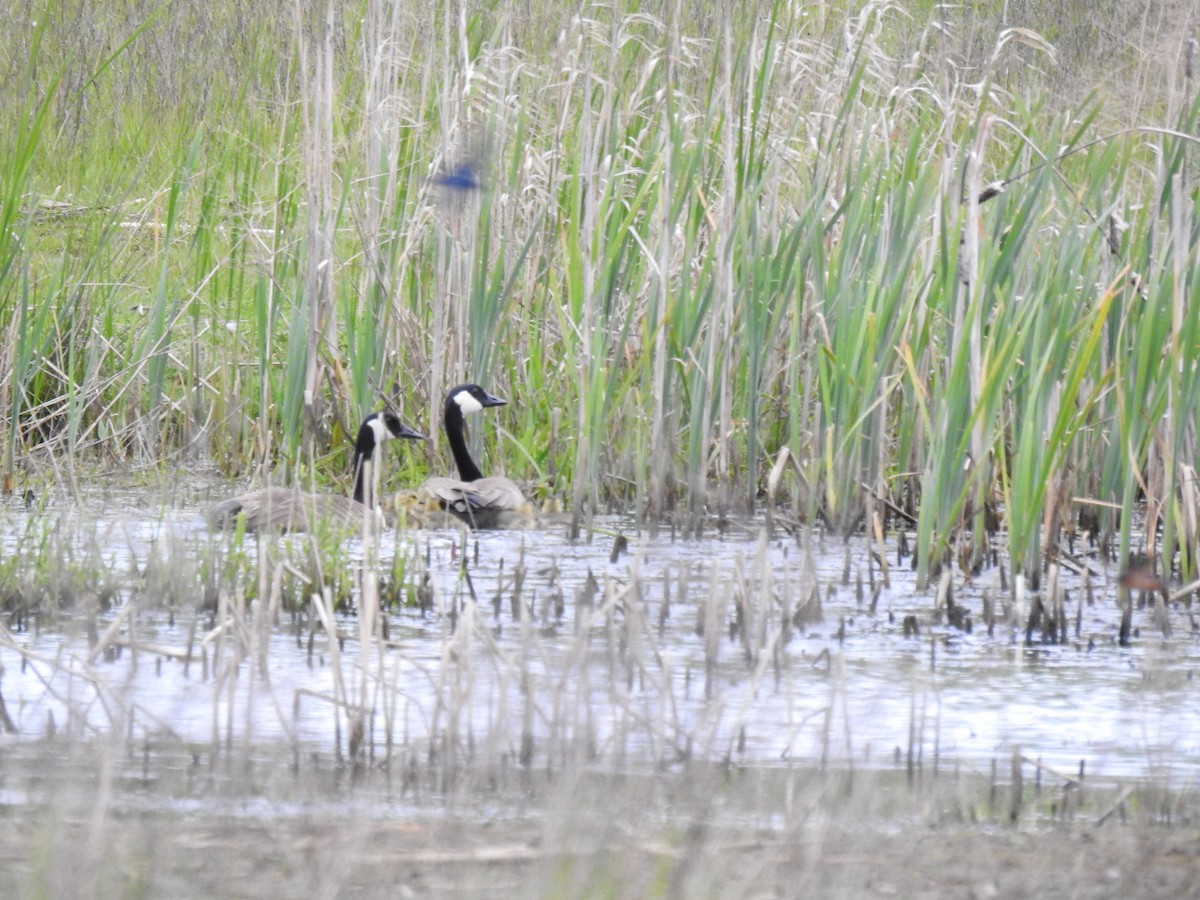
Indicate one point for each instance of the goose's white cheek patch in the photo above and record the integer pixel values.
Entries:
(380, 429)
(467, 403)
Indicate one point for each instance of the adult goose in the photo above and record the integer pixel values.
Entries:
(491, 502)
(291, 509)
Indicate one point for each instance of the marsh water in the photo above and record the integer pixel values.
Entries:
(623, 648)
(757, 711)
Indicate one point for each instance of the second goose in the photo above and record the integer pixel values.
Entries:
(479, 501)
(290, 509)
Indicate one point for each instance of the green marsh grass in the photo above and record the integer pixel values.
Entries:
(691, 247)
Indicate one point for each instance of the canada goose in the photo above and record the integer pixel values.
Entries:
(291, 509)
(478, 501)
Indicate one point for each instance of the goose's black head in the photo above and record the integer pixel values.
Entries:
(469, 398)
(378, 427)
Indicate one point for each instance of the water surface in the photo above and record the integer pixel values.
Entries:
(700, 649)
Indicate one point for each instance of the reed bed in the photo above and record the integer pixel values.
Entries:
(679, 245)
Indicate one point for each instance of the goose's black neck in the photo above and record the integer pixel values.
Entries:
(467, 470)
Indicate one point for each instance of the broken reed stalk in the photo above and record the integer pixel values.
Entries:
(369, 632)
(969, 314)
(315, 41)
(322, 604)
(1017, 788)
